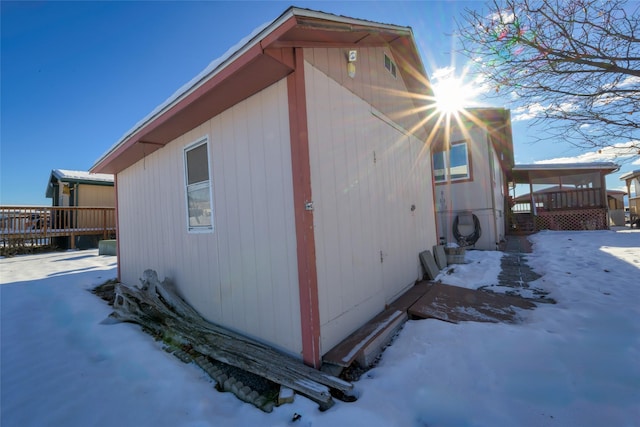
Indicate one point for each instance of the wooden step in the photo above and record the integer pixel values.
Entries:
(367, 342)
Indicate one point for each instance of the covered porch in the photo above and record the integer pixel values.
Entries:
(560, 197)
(632, 180)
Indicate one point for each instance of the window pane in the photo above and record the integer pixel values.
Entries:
(197, 165)
(199, 203)
(459, 164)
(439, 171)
(389, 65)
(583, 180)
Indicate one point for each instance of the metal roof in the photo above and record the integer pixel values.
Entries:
(631, 174)
(561, 166)
(524, 172)
(77, 177)
(70, 175)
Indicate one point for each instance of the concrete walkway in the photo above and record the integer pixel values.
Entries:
(516, 275)
(444, 302)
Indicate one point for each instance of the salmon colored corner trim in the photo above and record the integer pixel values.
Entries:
(115, 189)
(306, 254)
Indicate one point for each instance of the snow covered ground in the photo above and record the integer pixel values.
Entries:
(576, 363)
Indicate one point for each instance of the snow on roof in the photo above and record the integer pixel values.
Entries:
(630, 174)
(618, 192)
(226, 58)
(69, 175)
(560, 166)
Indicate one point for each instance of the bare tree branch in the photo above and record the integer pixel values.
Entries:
(572, 65)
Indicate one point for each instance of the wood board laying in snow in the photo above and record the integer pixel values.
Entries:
(157, 307)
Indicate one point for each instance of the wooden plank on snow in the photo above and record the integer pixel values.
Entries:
(355, 344)
(158, 307)
(407, 299)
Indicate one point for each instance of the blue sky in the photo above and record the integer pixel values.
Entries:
(76, 76)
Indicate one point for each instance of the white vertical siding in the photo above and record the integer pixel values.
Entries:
(244, 274)
(365, 176)
(371, 76)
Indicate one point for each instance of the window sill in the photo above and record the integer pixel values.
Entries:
(454, 181)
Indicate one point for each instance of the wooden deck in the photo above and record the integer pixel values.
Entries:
(36, 226)
(455, 304)
(423, 300)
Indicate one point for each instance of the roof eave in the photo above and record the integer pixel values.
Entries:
(523, 173)
(629, 175)
(612, 167)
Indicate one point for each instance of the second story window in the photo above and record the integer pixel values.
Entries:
(390, 65)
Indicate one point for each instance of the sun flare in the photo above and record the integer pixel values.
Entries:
(452, 95)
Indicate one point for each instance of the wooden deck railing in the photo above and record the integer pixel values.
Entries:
(35, 226)
(580, 209)
(573, 199)
(563, 201)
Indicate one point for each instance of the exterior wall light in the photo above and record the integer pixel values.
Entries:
(351, 64)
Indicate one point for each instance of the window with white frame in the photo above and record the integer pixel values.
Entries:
(198, 183)
(455, 161)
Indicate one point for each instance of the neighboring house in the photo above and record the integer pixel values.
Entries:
(562, 196)
(470, 174)
(615, 202)
(286, 190)
(632, 180)
(80, 188)
(68, 189)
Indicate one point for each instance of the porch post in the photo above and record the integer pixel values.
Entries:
(603, 200)
(532, 209)
(603, 192)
